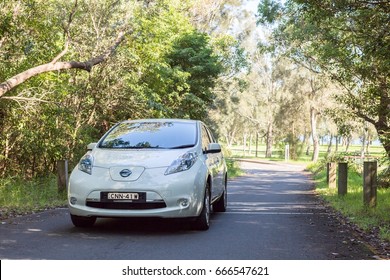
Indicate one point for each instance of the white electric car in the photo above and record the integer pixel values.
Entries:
(166, 168)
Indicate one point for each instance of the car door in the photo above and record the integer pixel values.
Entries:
(214, 162)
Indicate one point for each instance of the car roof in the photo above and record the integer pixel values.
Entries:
(161, 120)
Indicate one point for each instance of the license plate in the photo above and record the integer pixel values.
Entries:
(123, 196)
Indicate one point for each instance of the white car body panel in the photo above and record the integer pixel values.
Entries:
(147, 168)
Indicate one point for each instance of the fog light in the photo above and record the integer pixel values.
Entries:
(73, 200)
(183, 202)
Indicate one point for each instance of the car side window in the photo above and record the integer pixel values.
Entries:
(205, 138)
(211, 136)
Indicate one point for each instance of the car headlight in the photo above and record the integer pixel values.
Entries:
(85, 163)
(184, 162)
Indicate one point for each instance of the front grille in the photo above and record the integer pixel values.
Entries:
(126, 205)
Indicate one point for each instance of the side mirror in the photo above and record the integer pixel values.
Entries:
(91, 146)
(213, 148)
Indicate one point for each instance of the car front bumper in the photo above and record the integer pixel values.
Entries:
(177, 195)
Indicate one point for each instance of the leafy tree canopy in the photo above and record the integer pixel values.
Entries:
(144, 58)
(348, 40)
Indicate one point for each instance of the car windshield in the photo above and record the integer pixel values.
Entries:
(153, 135)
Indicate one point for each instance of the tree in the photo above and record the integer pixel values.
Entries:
(56, 65)
(347, 40)
(145, 59)
(205, 19)
(262, 98)
(181, 85)
(50, 116)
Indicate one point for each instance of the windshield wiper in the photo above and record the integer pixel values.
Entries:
(183, 146)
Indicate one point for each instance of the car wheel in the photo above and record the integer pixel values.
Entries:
(79, 221)
(221, 204)
(203, 220)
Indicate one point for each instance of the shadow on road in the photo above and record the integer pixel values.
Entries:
(140, 226)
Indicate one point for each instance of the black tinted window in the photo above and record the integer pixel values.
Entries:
(163, 135)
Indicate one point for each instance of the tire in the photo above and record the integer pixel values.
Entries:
(203, 220)
(221, 204)
(79, 221)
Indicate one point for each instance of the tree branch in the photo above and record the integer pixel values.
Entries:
(26, 99)
(66, 34)
(86, 65)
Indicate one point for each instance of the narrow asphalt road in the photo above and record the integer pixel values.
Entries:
(273, 214)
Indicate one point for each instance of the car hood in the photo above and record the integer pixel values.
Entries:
(146, 158)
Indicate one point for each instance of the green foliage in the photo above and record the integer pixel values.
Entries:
(384, 173)
(234, 169)
(180, 85)
(268, 11)
(193, 55)
(295, 147)
(233, 166)
(165, 68)
(347, 40)
(18, 195)
(232, 55)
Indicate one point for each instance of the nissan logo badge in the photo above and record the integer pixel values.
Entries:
(125, 173)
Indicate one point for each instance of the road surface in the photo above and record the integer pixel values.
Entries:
(273, 214)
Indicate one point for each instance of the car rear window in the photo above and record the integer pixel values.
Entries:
(153, 135)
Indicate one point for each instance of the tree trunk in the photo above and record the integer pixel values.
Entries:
(382, 123)
(6, 154)
(244, 144)
(384, 136)
(313, 123)
(307, 141)
(330, 144)
(250, 144)
(347, 143)
(227, 139)
(368, 143)
(269, 140)
(362, 150)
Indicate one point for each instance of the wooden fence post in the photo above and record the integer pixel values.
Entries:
(370, 183)
(62, 175)
(331, 175)
(343, 178)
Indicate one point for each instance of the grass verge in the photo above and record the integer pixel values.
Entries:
(234, 169)
(18, 196)
(351, 205)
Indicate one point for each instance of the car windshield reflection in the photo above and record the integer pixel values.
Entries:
(151, 135)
